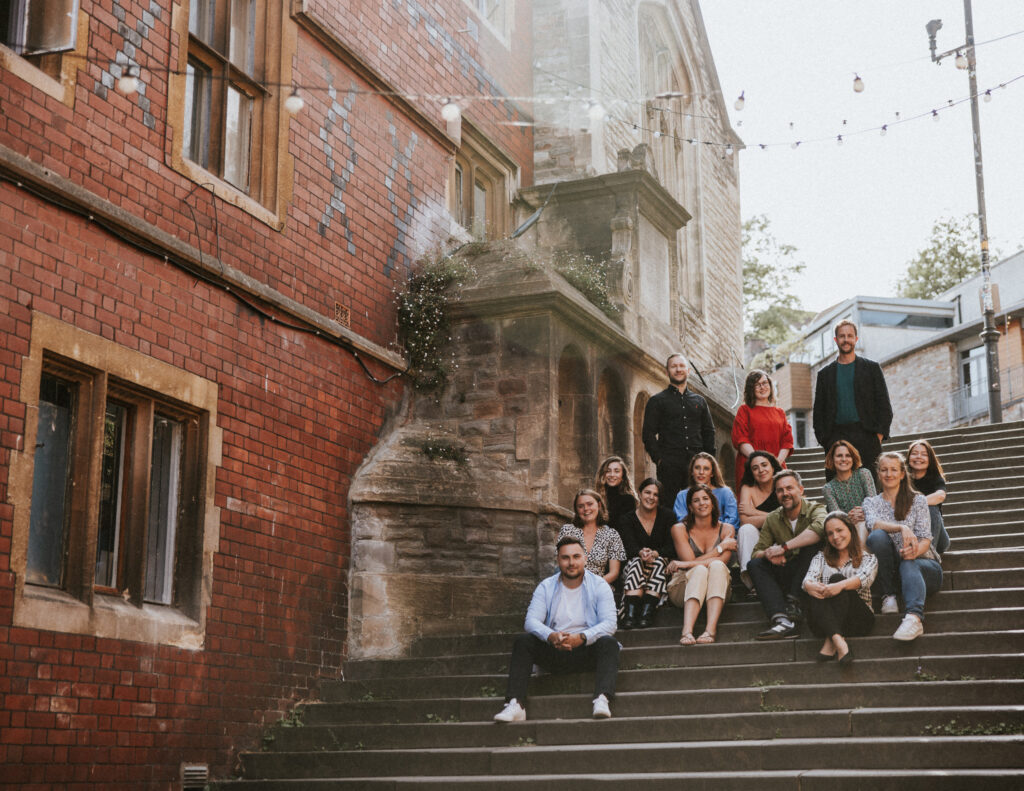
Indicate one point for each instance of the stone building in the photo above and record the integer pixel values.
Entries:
(213, 484)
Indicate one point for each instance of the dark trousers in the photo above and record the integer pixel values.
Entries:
(672, 473)
(775, 583)
(845, 614)
(866, 443)
(601, 656)
(940, 538)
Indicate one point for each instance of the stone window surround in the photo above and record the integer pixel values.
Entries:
(506, 8)
(59, 81)
(481, 160)
(109, 616)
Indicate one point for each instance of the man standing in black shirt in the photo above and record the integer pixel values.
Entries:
(677, 424)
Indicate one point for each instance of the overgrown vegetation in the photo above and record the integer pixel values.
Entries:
(424, 320)
(589, 276)
(952, 254)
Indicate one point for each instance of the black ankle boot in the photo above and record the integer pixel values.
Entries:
(632, 606)
(646, 611)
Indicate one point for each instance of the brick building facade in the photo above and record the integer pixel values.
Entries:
(196, 299)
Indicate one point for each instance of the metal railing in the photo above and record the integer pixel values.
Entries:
(971, 401)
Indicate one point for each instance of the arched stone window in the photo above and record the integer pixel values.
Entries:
(612, 413)
(577, 460)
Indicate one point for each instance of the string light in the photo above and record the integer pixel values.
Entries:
(858, 84)
(839, 140)
(988, 96)
(728, 150)
(451, 111)
(883, 130)
(128, 82)
(741, 101)
(596, 111)
(935, 115)
(961, 60)
(294, 103)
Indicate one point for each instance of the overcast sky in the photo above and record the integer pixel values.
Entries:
(858, 212)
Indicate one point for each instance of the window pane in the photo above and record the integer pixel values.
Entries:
(242, 44)
(238, 125)
(35, 27)
(460, 213)
(50, 482)
(108, 536)
(200, 19)
(197, 114)
(163, 509)
(479, 210)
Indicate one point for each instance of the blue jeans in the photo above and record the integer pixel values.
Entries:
(918, 578)
(940, 538)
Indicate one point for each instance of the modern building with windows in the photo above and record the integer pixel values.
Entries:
(206, 208)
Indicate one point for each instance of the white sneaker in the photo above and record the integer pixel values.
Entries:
(910, 629)
(601, 710)
(513, 712)
(890, 606)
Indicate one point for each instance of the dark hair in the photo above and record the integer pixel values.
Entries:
(855, 549)
(672, 356)
(844, 323)
(934, 467)
(787, 473)
(748, 474)
(906, 493)
(568, 540)
(602, 509)
(626, 487)
(717, 481)
(830, 457)
(749, 396)
(690, 520)
(649, 482)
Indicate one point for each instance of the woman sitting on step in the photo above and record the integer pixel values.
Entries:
(704, 546)
(850, 487)
(602, 544)
(757, 500)
(838, 587)
(901, 538)
(647, 536)
(926, 476)
(704, 469)
(613, 483)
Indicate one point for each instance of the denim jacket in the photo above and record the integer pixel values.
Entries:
(598, 606)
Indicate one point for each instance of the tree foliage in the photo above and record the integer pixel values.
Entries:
(771, 311)
(951, 255)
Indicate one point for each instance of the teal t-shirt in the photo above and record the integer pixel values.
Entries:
(846, 403)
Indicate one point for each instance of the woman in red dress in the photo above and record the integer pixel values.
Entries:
(759, 424)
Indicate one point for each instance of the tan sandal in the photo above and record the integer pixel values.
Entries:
(686, 639)
(706, 639)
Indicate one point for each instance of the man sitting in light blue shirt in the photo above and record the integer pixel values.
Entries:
(569, 628)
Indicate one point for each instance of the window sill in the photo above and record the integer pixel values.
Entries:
(63, 89)
(109, 617)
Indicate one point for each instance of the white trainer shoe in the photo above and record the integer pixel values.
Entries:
(890, 606)
(910, 629)
(512, 712)
(601, 710)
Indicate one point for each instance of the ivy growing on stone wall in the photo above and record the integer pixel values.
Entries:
(589, 276)
(424, 321)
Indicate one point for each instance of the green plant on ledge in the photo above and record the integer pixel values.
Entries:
(436, 448)
(589, 277)
(424, 319)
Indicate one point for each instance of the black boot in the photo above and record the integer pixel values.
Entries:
(632, 606)
(646, 611)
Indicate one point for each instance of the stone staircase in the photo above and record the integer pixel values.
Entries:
(943, 712)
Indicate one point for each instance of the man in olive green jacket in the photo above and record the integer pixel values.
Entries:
(790, 537)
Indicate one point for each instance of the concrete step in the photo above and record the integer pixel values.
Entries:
(985, 528)
(834, 723)
(889, 752)
(989, 541)
(983, 578)
(974, 560)
(376, 699)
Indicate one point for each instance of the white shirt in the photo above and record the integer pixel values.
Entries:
(569, 615)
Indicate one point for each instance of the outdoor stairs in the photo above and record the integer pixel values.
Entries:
(943, 712)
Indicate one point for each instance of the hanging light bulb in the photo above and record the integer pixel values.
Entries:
(728, 151)
(796, 144)
(839, 140)
(858, 84)
(988, 96)
(935, 115)
(451, 111)
(960, 61)
(128, 82)
(763, 146)
(738, 104)
(596, 112)
(294, 103)
(657, 134)
(884, 129)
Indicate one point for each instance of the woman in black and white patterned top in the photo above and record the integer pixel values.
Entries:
(838, 587)
(602, 544)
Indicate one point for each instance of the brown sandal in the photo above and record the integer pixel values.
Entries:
(706, 639)
(686, 639)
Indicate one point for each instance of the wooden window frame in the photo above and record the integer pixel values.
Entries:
(480, 161)
(103, 372)
(53, 73)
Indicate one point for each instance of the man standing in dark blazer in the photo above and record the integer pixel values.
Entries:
(851, 400)
(677, 425)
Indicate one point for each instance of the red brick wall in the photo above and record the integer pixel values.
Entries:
(298, 413)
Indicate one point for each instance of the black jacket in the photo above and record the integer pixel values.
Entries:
(870, 395)
(677, 425)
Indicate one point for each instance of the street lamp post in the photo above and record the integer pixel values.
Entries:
(989, 333)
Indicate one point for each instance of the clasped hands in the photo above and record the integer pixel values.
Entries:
(819, 590)
(776, 554)
(564, 641)
(909, 549)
